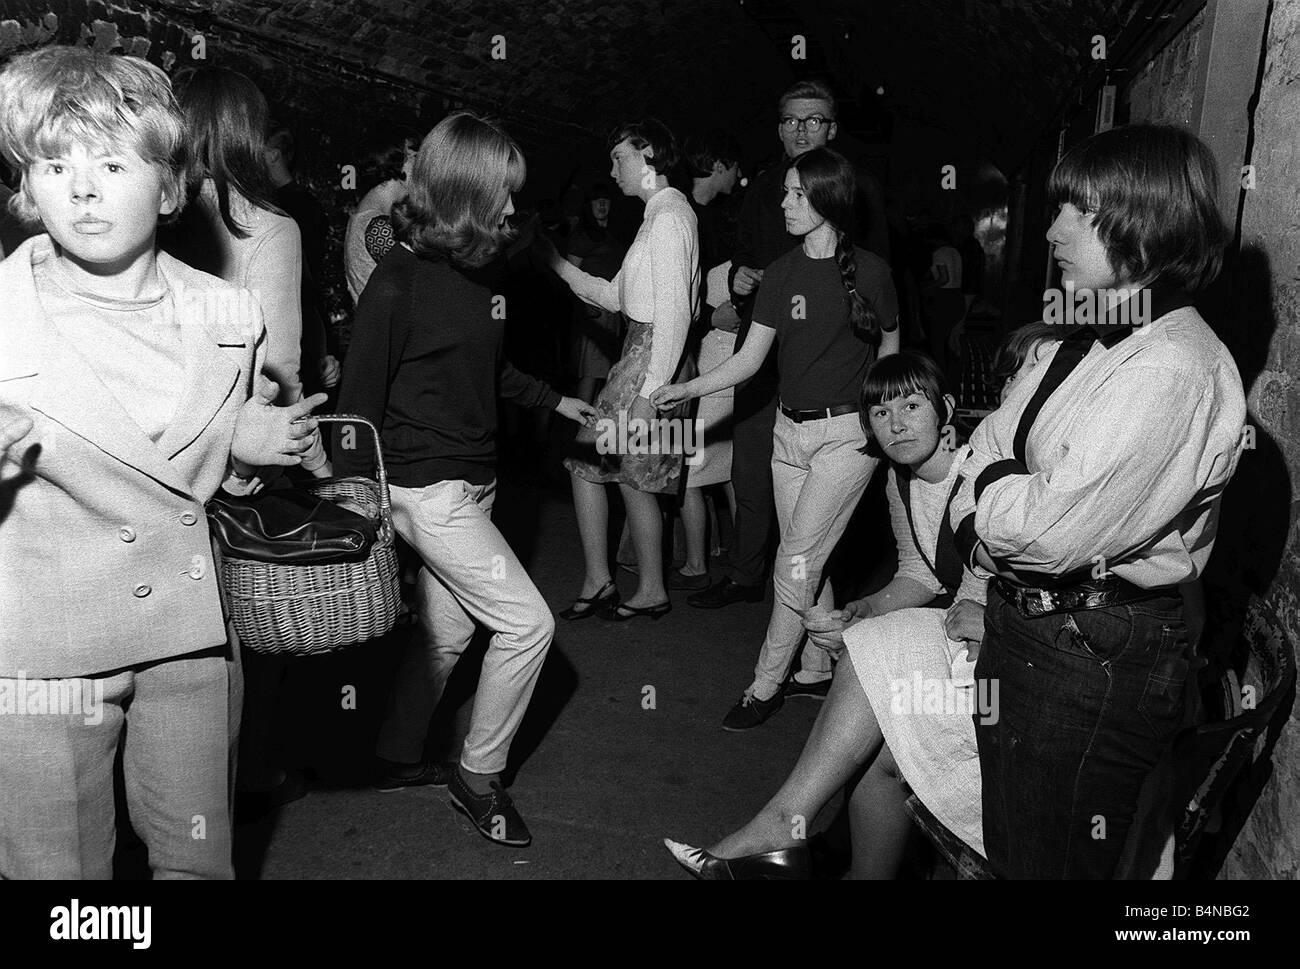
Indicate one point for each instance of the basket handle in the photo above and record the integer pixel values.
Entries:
(385, 501)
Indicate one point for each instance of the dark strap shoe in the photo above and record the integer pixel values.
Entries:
(725, 593)
(493, 814)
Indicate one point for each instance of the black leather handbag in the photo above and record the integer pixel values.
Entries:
(290, 527)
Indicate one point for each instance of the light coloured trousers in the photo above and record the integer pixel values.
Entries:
(469, 575)
(57, 816)
(818, 476)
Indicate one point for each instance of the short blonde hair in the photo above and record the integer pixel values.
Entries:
(55, 96)
(464, 172)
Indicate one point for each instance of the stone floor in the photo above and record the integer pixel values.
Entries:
(602, 773)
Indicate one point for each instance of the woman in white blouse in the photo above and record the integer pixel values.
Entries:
(656, 290)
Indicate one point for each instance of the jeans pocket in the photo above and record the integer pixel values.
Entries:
(1163, 696)
(1168, 667)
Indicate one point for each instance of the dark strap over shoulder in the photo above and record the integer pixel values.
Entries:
(946, 563)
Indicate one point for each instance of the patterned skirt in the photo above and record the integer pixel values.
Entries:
(610, 451)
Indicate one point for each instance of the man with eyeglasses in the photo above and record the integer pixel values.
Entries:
(807, 121)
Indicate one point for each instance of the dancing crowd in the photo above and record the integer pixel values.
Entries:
(165, 339)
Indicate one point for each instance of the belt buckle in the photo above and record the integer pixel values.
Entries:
(1045, 598)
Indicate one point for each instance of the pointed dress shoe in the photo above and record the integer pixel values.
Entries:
(784, 864)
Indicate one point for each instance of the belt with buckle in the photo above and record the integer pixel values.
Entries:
(1032, 602)
(820, 414)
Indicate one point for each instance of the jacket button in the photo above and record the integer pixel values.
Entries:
(197, 571)
(126, 533)
(189, 518)
(142, 590)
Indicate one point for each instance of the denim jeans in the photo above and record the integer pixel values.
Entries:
(1088, 702)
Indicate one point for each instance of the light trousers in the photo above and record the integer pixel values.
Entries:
(469, 575)
(57, 816)
(818, 476)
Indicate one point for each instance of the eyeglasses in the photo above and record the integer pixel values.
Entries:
(812, 124)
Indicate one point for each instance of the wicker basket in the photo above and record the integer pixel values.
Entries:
(307, 609)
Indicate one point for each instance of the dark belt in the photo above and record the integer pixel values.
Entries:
(799, 416)
(1031, 601)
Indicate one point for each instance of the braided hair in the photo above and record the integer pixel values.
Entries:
(830, 184)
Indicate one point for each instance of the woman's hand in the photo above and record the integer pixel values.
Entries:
(269, 435)
(670, 395)
(576, 410)
(964, 623)
(827, 632)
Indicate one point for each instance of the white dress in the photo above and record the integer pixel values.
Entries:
(918, 681)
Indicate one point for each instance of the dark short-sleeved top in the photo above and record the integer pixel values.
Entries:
(822, 362)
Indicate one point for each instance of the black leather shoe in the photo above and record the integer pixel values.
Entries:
(750, 711)
(784, 864)
(724, 593)
(494, 815)
(434, 775)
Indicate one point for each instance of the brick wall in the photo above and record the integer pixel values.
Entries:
(1265, 338)
(1256, 562)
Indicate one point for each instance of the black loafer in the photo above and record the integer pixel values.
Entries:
(494, 815)
(749, 712)
(724, 593)
(428, 775)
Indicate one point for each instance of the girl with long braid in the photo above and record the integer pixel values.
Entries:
(834, 309)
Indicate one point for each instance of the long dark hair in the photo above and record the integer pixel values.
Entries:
(226, 119)
(830, 184)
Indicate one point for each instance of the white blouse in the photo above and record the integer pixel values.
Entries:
(658, 283)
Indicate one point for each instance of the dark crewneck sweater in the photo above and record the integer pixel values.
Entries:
(426, 367)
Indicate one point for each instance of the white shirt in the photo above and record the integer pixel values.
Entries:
(1127, 460)
(658, 283)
